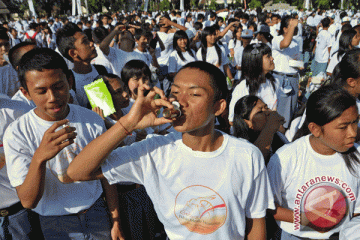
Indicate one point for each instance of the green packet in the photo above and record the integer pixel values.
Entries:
(99, 96)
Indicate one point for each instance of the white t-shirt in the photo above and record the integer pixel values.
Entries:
(80, 81)
(167, 39)
(233, 46)
(333, 62)
(119, 58)
(323, 42)
(212, 56)
(304, 179)
(145, 56)
(197, 195)
(175, 62)
(266, 93)
(9, 112)
(101, 59)
(9, 82)
(350, 230)
(238, 60)
(24, 136)
(282, 56)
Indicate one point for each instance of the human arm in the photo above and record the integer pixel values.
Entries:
(112, 200)
(264, 140)
(255, 228)
(288, 36)
(31, 190)
(222, 34)
(165, 21)
(228, 73)
(86, 165)
(105, 44)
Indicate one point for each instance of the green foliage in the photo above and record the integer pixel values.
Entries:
(193, 4)
(237, 4)
(254, 4)
(212, 5)
(95, 6)
(324, 4)
(164, 5)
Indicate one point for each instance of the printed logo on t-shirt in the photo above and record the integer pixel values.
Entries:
(59, 165)
(200, 209)
(322, 204)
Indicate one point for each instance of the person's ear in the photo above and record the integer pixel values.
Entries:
(220, 107)
(73, 53)
(26, 93)
(351, 82)
(249, 123)
(70, 79)
(315, 129)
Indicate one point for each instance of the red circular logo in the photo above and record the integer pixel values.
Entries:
(325, 206)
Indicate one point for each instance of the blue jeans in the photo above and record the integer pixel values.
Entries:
(16, 226)
(94, 224)
(317, 67)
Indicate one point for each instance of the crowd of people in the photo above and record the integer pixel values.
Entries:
(235, 124)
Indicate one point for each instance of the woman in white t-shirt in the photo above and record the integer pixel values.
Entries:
(235, 42)
(315, 180)
(182, 54)
(212, 53)
(348, 40)
(257, 63)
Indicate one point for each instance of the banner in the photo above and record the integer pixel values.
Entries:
(32, 9)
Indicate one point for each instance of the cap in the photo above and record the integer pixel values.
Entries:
(263, 29)
(345, 19)
(247, 33)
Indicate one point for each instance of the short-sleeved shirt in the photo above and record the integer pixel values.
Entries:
(283, 56)
(323, 42)
(23, 137)
(197, 195)
(175, 62)
(212, 56)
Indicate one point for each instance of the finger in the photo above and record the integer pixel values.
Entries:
(61, 132)
(160, 92)
(142, 89)
(57, 125)
(64, 138)
(158, 103)
(65, 144)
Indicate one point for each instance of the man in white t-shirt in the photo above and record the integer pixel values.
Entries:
(75, 46)
(40, 145)
(119, 57)
(14, 218)
(322, 49)
(195, 177)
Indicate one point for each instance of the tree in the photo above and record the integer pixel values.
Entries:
(255, 4)
(324, 4)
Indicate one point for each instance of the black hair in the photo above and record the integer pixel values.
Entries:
(252, 67)
(217, 78)
(200, 16)
(348, 67)
(198, 26)
(65, 39)
(284, 24)
(236, 29)
(39, 59)
(4, 35)
(262, 18)
(99, 34)
(345, 42)
(142, 32)
(325, 105)
(325, 22)
(14, 57)
(135, 68)
(33, 25)
(208, 31)
(242, 111)
(182, 35)
(252, 24)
